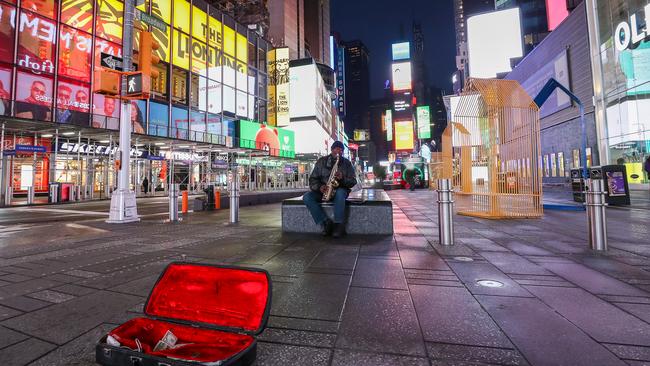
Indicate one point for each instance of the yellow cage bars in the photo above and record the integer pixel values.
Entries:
(494, 150)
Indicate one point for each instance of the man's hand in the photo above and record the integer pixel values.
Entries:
(323, 188)
(338, 175)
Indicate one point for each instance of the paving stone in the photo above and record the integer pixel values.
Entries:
(451, 315)
(410, 281)
(545, 283)
(9, 337)
(271, 354)
(6, 312)
(442, 351)
(603, 321)
(24, 303)
(335, 258)
(79, 351)
(140, 287)
(526, 249)
(630, 352)
(63, 278)
(74, 289)
(51, 296)
(298, 337)
(626, 299)
(379, 273)
(380, 320)
(470, 273)
(592, 280)
(543, 336)
(14, 277)
(26, 287)
(483, 245)
(61, 323)
(313, 296)
(379, 250)
(510, 263)
(82, 273)
(24, 352)
(322, 326)
(422, 259)
(349, 357)
(641, 311)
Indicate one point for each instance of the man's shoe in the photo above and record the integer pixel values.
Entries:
(328, 226)
(339, 230)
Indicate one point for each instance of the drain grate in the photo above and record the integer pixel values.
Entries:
(489, 283)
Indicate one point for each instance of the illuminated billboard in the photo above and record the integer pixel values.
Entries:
(404, 135)
(388, 120)
(401, 72)
(492, 40)
(277, 141)
(556, 11)
(402, 105)
(278, 89)
(361, 135)
(401, 51)
(423, 115)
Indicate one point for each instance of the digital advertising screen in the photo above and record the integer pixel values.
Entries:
(404, 135)
(401, 51)
(277, 141)
(423, 116)
(401, 72)
(388, 118)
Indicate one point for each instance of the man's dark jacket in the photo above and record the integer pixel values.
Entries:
(323, 169)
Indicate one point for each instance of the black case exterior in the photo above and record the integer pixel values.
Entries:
(107, 355)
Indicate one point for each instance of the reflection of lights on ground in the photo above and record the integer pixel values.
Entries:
(463, 259)
(489, 283)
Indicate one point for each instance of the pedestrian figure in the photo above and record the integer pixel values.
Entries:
(646, 167)
(145, 185)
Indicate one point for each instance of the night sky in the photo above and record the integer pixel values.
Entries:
(377, 24)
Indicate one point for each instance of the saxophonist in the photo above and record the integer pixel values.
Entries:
(318, 184)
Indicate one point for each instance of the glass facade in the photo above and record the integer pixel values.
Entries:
(624, 48)
(210, 66)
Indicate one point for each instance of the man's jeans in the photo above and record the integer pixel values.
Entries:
(313, 200)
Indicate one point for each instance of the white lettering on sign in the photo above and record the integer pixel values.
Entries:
(96, 149)
(628, 34)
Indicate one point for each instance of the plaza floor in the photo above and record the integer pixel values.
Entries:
(395, 300)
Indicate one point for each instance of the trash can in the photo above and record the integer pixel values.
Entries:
(54, 192)
(199, 204)
(577, 185)
(209, 202)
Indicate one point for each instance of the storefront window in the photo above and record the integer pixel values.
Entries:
(158, 119)
(7, 18)
(77, 14)
(74, 54)
(36, 42)
(33, 96)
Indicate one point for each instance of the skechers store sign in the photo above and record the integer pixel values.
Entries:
(74, 148)
(628, 34)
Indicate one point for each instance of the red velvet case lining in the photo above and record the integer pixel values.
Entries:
(203, 345)
(225, 297)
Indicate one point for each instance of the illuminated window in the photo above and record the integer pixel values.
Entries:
(33, 96)
(45, 8)
(182, 15)
(7, 17)
(162, 9)
(179, 86)
(181, 57)
(5, 90)
(159, 84)
(110, 17)
(74, 54)
(77, 14)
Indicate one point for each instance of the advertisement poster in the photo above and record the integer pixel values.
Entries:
(389, 124)
(277, 141)
(401, 72)
(615, 183)
(278, 89)
(424, 120)
(404, 135)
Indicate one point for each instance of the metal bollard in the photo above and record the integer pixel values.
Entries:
(595, 202)
(9, 195)
(445, 212)
(173, 202)
(234, 200)
(78, 193)
(30, 195)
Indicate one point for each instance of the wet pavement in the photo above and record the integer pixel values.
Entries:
(392, 300)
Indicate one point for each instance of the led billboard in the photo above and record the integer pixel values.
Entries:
(402, 105)
(361, 135)
(404, 135)
(388, 120)
(493, 39)
(556, 11)
(278, 89)
(401, 51)
(277, 141)
(423, 115)
(401, 72)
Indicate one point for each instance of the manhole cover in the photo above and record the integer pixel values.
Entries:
(489, 283)
(464, 259)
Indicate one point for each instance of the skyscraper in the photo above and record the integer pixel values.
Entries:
(357, 86)
(287, 26)
(317, 30)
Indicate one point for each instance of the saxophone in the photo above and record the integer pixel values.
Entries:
(332, 183)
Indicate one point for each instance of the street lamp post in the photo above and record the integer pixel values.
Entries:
(123, 203)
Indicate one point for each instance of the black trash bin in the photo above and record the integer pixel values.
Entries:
(617, 190)
(209, 202)
(577, 185)
(54, 193)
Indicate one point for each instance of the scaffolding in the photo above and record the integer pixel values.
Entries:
(494, 151)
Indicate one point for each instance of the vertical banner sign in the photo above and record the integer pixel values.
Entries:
(389, 125)
(424, 120)
(340, 81)
(278, 89)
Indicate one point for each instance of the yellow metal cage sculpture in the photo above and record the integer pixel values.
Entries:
(495, 145)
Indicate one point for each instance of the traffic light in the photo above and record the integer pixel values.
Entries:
(146, 57)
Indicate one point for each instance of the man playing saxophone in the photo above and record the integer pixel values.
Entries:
(318, 183)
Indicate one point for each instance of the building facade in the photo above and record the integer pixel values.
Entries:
(317, 30)
(620, 49)
(287, 26)
(357, 86)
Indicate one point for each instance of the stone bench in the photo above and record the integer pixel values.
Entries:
(369, 211)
